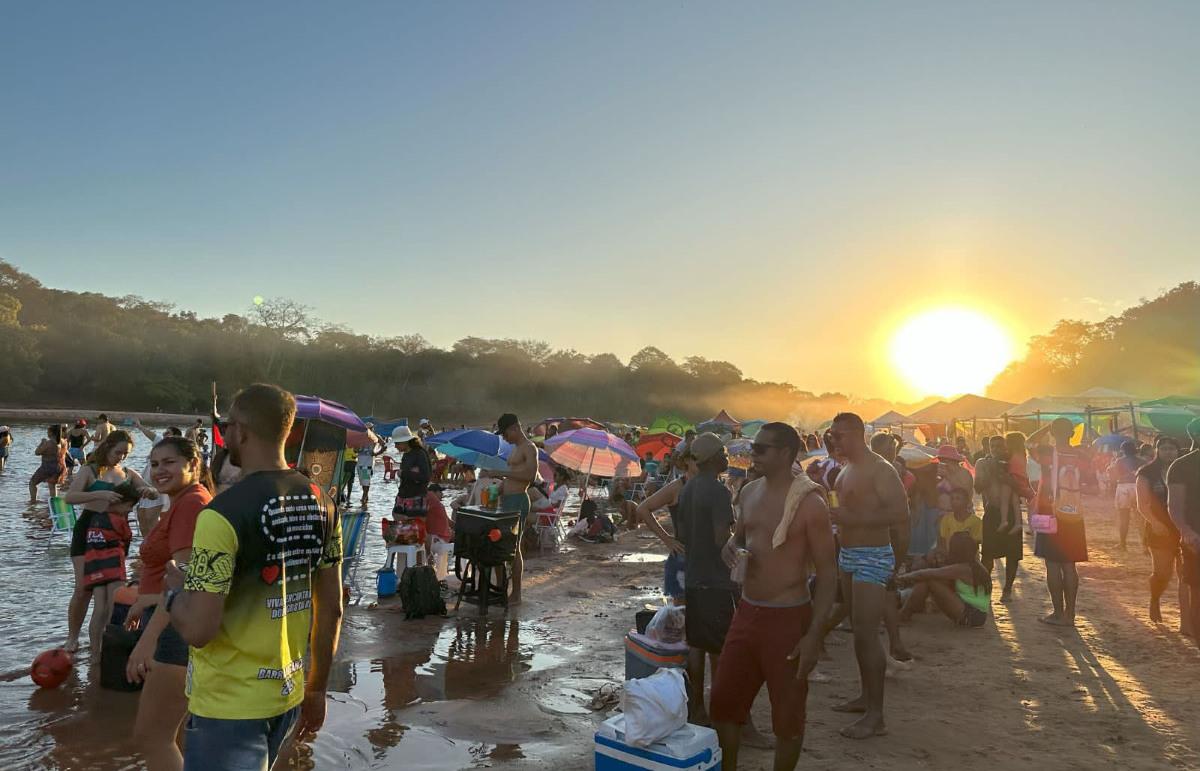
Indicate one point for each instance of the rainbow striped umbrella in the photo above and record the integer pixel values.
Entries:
(594, 452)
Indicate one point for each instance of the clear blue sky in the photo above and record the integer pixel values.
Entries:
(770, 183)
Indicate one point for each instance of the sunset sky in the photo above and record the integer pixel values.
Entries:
(777, 184)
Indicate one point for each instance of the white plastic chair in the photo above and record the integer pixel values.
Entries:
(550, 524)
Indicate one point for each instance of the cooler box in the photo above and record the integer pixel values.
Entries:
(645, 656)
(692, 748)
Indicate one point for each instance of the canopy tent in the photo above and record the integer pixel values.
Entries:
(751, 428)
(672, 424)
(725, 419)
(1192, 402)
(966, 406)
(889, 418)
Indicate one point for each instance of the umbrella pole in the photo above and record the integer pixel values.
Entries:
(588, 477)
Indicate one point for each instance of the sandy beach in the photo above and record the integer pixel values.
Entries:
(1015, 694)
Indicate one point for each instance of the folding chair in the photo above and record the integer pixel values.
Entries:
(62, 519)
(550, 524)
(354, 546)
(390, 470)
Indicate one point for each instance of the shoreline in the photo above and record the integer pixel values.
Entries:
(117, 418)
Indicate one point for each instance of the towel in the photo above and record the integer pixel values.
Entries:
(802, 485)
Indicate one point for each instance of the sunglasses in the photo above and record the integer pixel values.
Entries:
(758, 448)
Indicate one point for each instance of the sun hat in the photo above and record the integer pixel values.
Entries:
(705, 446)
(5, 430)
(403, 435)
(949, 452)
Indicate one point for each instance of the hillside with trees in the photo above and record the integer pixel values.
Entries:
(70, 349)
(1152, 349)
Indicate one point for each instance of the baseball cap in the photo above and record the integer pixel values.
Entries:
(506, 421)
(705, 446)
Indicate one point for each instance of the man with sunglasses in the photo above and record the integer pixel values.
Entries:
(776, 632)
(870, 501)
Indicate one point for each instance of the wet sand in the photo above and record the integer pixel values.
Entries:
(511, 691)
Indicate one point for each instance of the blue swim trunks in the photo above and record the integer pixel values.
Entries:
(868, 564)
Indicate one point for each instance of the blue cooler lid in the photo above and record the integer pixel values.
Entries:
(688, 745)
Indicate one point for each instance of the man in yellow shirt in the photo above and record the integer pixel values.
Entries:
(262, 590)
(961, 519)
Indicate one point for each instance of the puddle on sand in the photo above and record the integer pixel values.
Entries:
(476, 659)
(642, 556)
(571, 695)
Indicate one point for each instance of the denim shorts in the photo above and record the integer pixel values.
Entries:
(235, 745)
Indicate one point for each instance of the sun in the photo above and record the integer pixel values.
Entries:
(950, 351)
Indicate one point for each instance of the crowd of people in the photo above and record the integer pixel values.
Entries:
(239, 593)
(864, 537)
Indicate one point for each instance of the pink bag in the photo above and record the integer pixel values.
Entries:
(1044, 523)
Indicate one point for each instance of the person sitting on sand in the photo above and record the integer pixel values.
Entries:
(961, 519)
(593, 527)
(962, 588)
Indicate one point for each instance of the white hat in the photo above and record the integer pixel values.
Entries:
(403, 435)
(425, 422)
(5, 430)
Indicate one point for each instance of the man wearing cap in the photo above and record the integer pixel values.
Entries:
(705, 522)
(1183, 504)
(522, 468)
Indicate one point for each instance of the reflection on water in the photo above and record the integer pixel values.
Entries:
(642, 556)
(376, 718)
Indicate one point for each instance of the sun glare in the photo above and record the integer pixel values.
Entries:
(950, 351)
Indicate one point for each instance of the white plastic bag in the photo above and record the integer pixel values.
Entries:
(655, 707)
(668, 624)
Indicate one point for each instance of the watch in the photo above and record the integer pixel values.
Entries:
(169, 598)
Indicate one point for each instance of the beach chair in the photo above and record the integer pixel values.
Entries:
(390, 469)
(354, 546)
(550, 527)
(62, 519)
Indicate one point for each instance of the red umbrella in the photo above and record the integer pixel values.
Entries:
(657, 444)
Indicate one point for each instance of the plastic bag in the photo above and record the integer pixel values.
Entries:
(668, 624)
(655, 707)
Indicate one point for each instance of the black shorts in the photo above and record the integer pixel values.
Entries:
(171, 648)
(709, 612)
(1189, 568)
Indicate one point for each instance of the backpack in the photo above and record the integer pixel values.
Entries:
(420, 593)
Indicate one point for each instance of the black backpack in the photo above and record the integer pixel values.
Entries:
(420, 593)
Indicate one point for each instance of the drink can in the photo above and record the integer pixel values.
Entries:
(833, 499)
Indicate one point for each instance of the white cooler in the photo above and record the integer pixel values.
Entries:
(692, 748)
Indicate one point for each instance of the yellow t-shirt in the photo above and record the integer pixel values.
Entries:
(972, 526)
(259, 544)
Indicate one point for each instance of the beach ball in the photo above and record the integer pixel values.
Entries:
(51, 668)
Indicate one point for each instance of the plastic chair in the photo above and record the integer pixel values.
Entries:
(62, 519)
(354, 545)
(411, 552)
(390, 469)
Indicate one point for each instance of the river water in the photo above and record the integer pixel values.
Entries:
(378, 681)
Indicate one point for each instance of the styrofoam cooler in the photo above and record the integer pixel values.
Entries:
(691, 748)
(644, 656)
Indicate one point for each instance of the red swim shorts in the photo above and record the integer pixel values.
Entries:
(756, 650)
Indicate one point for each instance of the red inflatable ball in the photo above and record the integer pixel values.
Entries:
(51, 668)
(494, 535)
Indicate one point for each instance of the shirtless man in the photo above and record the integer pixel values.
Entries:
(776, 631)
(103, 428)
(871, 501)
(886, 447)
(1183, 504)
(522, 468)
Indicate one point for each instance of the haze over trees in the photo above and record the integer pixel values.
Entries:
(71, 349)
(1150, 350)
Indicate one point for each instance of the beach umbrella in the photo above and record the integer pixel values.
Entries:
(1110, 442)
(316, 408)
(594, 452)
(361, 439)
(657, 444)
(482, 442)
(672, 424)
